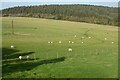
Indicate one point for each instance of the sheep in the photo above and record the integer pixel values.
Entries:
(69, 49)
(27, 57)
(69, 41)
(59, 41)
(89, 37)
(48, 41)
(112, 42)
(12, 46)
(20, 57)
(75, 36)
(105, 38)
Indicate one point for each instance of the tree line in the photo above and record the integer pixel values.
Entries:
(73, 12)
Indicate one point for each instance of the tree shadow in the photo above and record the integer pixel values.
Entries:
(13, 53)
(10, 56)
(8, 52)
(18, 60)
(12, 65)
(22, 66)
(55, 60)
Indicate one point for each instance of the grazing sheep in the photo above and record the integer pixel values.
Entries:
(112, 42)
(70, 49)
(72, 42)
(27, 57)
(12, 46)
(48, 41)
(105, 38)
(20, 57)
(75, 36)
(59, 41)
(89, 37)
(69, 41)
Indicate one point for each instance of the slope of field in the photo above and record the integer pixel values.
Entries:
(94, 51)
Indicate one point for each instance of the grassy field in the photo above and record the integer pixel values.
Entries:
(96, 57)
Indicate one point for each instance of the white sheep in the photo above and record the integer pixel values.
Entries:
(12, 46)
(72, 42)
(112, 42)
(75, 36)
(69, 41)
(105, 38)
(27, 57)
(70, 49)
(48, 41)
(20, 57)
(59, 41)
(89, 37)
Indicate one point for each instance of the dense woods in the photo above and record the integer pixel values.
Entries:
(73, 12)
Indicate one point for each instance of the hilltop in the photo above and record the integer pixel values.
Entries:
(73, 12)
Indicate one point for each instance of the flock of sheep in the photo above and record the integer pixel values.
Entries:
(50, 42)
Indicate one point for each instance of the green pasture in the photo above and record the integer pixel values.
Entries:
(94, 58)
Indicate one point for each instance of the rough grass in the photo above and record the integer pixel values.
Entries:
(95, 58)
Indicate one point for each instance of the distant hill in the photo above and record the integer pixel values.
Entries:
(75, 12)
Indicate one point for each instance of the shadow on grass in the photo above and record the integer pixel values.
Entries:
(11, 64)
(13, 53)
(7, 52)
